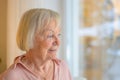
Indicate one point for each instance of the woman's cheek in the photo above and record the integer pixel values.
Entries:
(46, 44)
(49, 44)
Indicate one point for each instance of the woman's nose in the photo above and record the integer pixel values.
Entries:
(56, 41)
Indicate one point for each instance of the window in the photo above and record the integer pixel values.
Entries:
(92, 39)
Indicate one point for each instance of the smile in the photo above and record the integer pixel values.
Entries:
(52, 50)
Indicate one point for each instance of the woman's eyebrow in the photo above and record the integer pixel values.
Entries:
(52, 30)
(49, 30)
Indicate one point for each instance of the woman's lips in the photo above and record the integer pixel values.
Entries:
(52, 50)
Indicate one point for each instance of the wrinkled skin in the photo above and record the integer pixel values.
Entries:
(48, 42)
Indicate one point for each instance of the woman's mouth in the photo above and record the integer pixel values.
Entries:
(52, 50)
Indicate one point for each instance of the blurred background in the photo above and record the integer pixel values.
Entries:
(90, 35)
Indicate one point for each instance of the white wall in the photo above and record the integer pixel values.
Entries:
(15, 9)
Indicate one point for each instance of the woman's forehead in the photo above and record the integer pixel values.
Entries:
(54, 30)
(51, 26)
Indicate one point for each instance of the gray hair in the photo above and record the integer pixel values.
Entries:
(32, 21)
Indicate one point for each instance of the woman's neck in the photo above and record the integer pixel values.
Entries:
(36, 60)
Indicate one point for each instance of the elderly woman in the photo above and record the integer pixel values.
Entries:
(38, 35)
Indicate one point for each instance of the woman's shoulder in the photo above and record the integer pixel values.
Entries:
(63, 63)
(64, 70)
(10, 74)
(13, 71)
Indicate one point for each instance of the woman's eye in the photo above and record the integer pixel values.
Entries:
(50, 36)
(59, 35)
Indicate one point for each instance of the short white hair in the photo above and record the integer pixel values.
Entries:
(31, 21)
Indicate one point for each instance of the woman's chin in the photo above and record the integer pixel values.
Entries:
(52, 54)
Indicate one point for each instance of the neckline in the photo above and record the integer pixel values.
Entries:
(18, 60)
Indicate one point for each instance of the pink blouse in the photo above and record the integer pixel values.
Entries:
(18, 71)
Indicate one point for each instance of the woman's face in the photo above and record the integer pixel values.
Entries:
(49, 41)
